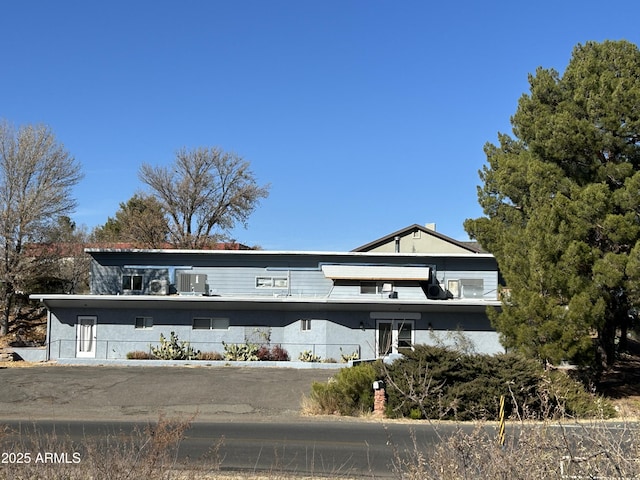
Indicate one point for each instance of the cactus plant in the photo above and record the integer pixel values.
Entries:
(173, 349)
(308, 356)
(243, 352)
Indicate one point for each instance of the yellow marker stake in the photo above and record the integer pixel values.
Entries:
(501, 427)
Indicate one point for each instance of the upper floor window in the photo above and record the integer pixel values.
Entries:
(272, 282)
(132, 282)
(372, 288)
(472, 287)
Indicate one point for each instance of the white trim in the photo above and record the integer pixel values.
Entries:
(323, 253)
(375, 272)
(395, 315)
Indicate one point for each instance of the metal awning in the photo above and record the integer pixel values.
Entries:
(375, 272)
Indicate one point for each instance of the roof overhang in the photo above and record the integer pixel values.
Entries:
(286, 303)
(376, 272)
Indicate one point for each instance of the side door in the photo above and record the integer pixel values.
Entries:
(86, 336)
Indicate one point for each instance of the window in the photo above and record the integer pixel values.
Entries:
(132, 282)
(453, 286)
(405, 336)
(200, 323)
(394, 336)
(368, 288)
(305, 324)
(373, 288)
(144, 322)
(472, 287)
(272, 282)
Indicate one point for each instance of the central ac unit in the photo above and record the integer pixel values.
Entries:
(159, 287)
(192, 283)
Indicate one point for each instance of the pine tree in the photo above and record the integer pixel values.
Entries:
(561, 199)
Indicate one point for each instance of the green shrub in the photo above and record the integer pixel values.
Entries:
(349, 392)
(571, 399)
(437, 382)
(173, 349)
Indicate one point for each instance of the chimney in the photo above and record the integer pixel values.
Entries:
(430, 226)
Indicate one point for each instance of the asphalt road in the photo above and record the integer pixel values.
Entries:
(309, 447)
(254, 413)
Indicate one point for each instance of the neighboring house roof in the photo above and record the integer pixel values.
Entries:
(418, 239)
(70, 249)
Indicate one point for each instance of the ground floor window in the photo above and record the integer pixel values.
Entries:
(205, 323)
(305, 324)
(144, 322)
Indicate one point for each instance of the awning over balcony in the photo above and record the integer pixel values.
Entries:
(375, 272)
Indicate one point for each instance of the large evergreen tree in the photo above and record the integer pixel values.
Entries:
(561, 199)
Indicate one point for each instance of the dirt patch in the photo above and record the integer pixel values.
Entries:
(621, 383)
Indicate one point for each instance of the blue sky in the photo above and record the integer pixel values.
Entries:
(365, 116)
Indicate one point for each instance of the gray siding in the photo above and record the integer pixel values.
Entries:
(337, 328)
(234, 273)
(332, 333)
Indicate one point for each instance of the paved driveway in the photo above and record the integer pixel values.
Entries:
(136, 393)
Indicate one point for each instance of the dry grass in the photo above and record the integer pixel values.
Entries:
(148, 453)
(536, 451)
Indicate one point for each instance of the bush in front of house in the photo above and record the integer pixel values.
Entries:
(173, 349)
(440, 383)
(349, 392)
(273, 354)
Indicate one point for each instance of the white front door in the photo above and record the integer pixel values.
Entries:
(86, 336)
(394, 336)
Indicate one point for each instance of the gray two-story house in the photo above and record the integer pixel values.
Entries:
(371, 302)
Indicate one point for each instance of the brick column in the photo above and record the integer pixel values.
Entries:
(379, 402)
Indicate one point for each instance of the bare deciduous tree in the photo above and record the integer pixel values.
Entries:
(61, 264)
(205, 188)
(36, 178)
